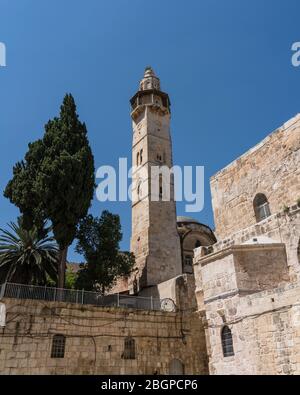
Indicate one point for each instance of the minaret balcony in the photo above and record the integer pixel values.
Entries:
(155, 99)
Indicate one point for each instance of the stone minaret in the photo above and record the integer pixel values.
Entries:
(155, 240)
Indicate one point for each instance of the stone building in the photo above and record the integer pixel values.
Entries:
(247, 284)
(41, 335)
(154, 239)
(222, 302)
(192, 235)
(44, 337)
(162, 243)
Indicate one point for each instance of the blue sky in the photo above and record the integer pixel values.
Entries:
(225, 64)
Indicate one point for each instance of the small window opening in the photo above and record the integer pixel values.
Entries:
(197, 244)
(58, 346)
(129, 348)
(227, 342)
(261, 207)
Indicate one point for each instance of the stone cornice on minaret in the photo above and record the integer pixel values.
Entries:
(149, 94)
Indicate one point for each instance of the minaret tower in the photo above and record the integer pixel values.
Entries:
(155, 240)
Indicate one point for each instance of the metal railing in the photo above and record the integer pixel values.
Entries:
(21, 291)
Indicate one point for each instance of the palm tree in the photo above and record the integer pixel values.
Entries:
(27, 256)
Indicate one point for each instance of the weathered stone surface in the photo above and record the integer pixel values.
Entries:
(249, 280)
(155, 240)
(272, 167)
(95, 340)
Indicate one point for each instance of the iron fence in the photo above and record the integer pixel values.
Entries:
(21, 291)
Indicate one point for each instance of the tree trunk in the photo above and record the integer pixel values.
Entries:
(62, 267)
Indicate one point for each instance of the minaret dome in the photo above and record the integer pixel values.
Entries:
(149, 94)
(150, 81)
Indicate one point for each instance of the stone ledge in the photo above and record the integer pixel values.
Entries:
(204, 260)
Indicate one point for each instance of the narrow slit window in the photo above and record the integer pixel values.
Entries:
(227, 342)
(139, 190)
(160, 187)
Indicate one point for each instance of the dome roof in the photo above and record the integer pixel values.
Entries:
(188, 223)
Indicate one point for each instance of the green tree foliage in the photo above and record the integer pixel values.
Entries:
(70, 280)
(71, 277)
(26, 257)
(98, 241)
(56, 179)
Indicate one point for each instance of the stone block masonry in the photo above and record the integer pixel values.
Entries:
(95, 340)
(265, 330)
(272, 168)
(248, 283)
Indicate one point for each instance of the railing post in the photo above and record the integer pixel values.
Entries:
(18, 291)
(59, 294)
(3, 288)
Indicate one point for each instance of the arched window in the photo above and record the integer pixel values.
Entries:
(58, 346)
(227, 342)
(261, 207)
(141, 156)
(198, 244)
(137, 158)
(298, 252)
(129, 348)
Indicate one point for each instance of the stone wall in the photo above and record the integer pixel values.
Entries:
(252, 295)
(249, 280)
(271, 167)
(266, 333)
(281, 227)
(243, 269)
(95, 339)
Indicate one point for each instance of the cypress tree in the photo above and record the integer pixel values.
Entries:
(56, 180)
